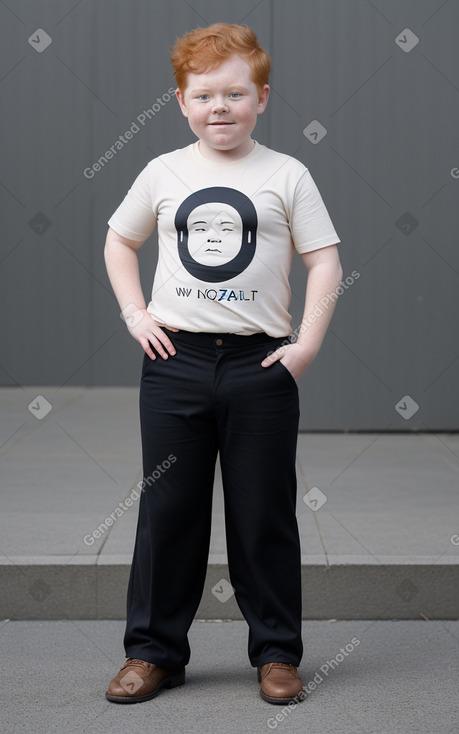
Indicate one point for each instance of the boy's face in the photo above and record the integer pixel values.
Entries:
(222, 107)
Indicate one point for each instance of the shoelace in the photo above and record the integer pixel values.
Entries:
(288, 666)
(135, 661)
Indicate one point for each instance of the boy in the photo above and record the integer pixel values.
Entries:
(219, 372)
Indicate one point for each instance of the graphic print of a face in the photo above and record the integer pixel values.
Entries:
(214, 234)
(216, 231)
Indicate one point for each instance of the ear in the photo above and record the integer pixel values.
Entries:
(181, 100)
(263, 99)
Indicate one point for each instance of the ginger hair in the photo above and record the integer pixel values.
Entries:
(203, 49)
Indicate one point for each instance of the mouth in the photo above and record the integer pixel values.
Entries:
(220, 124)
(214, 250)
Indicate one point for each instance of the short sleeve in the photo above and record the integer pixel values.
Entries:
(135, 217)
(310, 223)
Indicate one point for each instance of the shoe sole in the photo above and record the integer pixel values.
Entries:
(171, 681)
(280, 701)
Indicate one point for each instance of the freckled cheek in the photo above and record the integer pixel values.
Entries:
(198, 118)
(196, 113)
(197, 122)
(247, 116)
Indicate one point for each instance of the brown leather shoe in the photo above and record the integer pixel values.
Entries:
(139, 681)
(280, 683)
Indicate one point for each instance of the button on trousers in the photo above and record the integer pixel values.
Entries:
(214, 397)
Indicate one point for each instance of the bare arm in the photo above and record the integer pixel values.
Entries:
(123, 271)
(324, 276)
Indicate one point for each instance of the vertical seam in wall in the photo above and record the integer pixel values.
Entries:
(271, 51)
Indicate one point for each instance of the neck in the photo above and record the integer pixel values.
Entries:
(234, 154)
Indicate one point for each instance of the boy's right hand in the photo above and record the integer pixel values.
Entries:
(148, 333)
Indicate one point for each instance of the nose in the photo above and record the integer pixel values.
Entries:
(219, 106)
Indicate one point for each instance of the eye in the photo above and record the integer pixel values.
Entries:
(235, 94)
(199, 229)
(203, 97)
(227, 229)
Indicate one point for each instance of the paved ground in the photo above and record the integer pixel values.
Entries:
(380, 541)
(396, 678)
(379, 533)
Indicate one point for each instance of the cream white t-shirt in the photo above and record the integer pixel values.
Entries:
(227, 233)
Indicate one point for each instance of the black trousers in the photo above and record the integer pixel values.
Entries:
(214, 396)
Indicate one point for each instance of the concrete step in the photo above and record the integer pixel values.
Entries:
(91, 587)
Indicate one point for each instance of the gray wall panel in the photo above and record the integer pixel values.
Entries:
(391, 144)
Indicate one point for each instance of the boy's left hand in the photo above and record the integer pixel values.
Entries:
(295, 357)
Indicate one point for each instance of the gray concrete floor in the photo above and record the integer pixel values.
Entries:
(396, 678)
